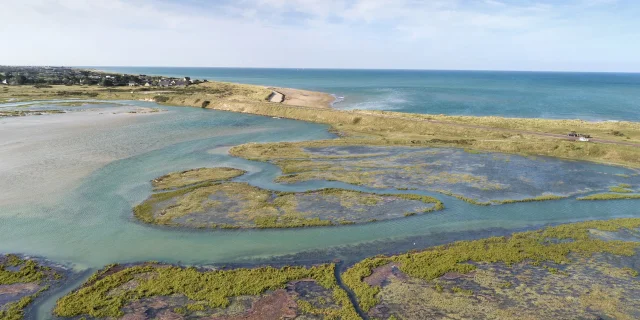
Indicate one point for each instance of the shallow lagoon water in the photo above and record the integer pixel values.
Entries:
(483, 176)
(89, 224)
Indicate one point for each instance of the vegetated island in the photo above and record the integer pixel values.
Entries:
(203, 198)
(23, 113)
(623, 191)
(566, 271)
(22, 280)
(479, 178)
(563, 272)
(185, 178)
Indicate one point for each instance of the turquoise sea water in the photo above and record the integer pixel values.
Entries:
(587, 96)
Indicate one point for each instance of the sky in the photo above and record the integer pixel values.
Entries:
(545, 35)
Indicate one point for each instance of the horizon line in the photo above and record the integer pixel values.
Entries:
(317, 68)
(369, 69)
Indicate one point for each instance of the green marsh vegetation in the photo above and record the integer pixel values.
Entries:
(588, 288)
(205, 290)
(552, 244)
(195, 176)
(375, 129)
(28, 271)
(621, 188)
(15, 310)
(240, 205)
(26, 275)
(463, 198)
(545, 197)
(610, 196)
(449, 171)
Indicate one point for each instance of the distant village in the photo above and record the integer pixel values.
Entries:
(43, 76)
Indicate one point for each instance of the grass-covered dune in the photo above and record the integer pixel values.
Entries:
(232, 205)
(565, 251)
(22, 280)
(167, 291)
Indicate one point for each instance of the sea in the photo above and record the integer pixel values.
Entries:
(553, 95)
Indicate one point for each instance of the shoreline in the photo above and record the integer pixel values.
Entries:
(615, 143)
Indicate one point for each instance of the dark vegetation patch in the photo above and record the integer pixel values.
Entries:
(172, 291)
(22, 280)
(160, 99)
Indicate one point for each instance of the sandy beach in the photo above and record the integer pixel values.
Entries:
(304, 98)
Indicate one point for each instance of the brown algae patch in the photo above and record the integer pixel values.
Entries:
(194, 176)
(241, 205)
(555, 273)
(152, 290)
(22, 280)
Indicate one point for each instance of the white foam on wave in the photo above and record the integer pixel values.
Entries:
(336, 100)
(390, 99)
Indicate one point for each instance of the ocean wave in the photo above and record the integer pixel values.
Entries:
(384, 99)
(336, 100)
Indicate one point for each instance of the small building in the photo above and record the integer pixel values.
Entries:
(132, 84)
(4, 81)
(164, 83)
(181, 83)
(148, 84)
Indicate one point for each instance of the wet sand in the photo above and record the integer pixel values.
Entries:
(304, 98)
(35, 168)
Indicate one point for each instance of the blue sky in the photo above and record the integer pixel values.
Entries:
(572, 35)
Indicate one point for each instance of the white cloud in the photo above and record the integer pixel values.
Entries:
(438, 34)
